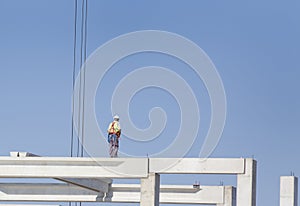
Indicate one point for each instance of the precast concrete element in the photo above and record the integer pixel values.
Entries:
(288, 191)
(119, 193)
(25, 205)
(98, 185)
(23, 154)
(49, 192)
(73, 167)
(229, 197)
(246, 185)
(245, 169)
(96, 174)
(197, 165)
(204, 195)
(150, 190)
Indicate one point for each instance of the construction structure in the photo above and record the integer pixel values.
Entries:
(288, 191)
(91, 180)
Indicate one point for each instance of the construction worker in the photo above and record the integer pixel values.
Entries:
(114, 133)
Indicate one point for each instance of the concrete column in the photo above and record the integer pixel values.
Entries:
(246, 184)
(150, 190)
(229, 197)
(288, 191)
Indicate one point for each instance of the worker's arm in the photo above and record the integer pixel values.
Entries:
(109, 126)
(118, 129)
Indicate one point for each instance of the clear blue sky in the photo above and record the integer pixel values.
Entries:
(254, 45)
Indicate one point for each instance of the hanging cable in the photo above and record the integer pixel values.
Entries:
(81, 81)
(73, 80)
(84, 71)
(80, 98)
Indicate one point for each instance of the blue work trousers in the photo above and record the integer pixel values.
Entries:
(113, 141)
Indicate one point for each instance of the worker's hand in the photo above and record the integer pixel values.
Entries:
(118, 134)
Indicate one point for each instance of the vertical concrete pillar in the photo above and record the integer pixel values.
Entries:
(246, 185)
(229, 196)
(288, 191)
(150, 190)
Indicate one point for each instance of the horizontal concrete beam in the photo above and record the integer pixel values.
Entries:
(49, 192)
(178, 194)
(170, 194)
(197, 165)
(98, 185)
(25, 205)
(206, 195)
(163, 188)
(73, 167)
(122, 193)
(22, 154)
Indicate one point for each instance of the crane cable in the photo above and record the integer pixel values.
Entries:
(83, 48)
(73, 80)
(84, 71)
(79, 151)
(81, 97)
(80, 84)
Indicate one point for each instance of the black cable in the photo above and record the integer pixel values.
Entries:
(80, 78)
(73, 81)
(84, 70)
(81, 97)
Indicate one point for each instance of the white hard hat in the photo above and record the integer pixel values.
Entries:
(116, 117)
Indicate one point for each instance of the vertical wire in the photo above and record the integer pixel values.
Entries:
(80, 79)
(73, 80)
(84, 71)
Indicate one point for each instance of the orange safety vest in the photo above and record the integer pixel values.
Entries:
(112, 129)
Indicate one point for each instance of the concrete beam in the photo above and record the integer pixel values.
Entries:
(98, 185)
(22, 154)
(288, 191)
(205, 195)
(73, 167)
(150, 190)
(169, 194)
(49, 192)
(83, 171)
(119, 193)
(124, 166)
(25, 205)
(197, 165)
(246, 184)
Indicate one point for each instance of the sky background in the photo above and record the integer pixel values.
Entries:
(254, 45)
